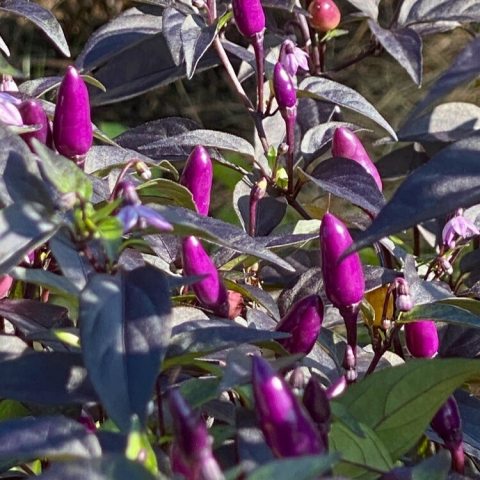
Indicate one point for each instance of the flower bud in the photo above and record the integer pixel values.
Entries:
(293, 58)
(142, 169)
(325, 15)
(210, 290)
(249, 17)
(422, 338)
(33, 113)
(236, 304)
(197, 177)
(284, 88)
(303, 321)
(344, 280)
(448, 425)
(403, 302)
(126, 189)
(287, 428)
(72, 127)
(346, 144)
(192, 451)
(316, 402)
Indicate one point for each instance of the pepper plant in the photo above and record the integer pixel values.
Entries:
(329, 329)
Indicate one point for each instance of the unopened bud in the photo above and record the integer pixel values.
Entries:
(403, 301)
(445, 265)
(7, 84)
(283, 148)
(142, 169)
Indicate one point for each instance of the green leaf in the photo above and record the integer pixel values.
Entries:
(63, 173)
(302, 468)
(433, 468)
(110, 230)
(363, 456)
(399, 402)
(441, 312)
(44, 278)
(166, 192)
(125, 327)
(10, 409)
(139, 448)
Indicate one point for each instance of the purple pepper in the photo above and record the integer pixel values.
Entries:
(422, 338)
(448, 425)
(287, 428)
(33, 113)
(210, 290)
(344, 280)
(303, 321)
(249, 17)
(316, 402)
(283, 87)
(192, 451)
(347, 145)
(197, 177)
(72, 127)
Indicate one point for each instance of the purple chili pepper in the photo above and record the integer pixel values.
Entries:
(192, 451)
(210, 290)
(283, 87)
(316, 402)
(422, 338)
(249, 17)
(197, 177)
(287, 428)
(72, 127)
(448, 425)
(344, 280)
(347, 145)
(33, 113)
(303, 321)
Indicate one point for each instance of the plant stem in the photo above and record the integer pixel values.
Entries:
(257, 42)
(379, 354)
(290, 117)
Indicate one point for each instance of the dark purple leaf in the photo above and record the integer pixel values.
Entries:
(172, 20)
(401, 162)
(53, 378)
(196, 39)
(41, 17)
(404, 45)
(109, 467)
(427, 11)
(368, 7)
(448, 122)
(325, 89)
(464, 69)
(451, 179)
(348, 180)
(125, 327)
(55, 437)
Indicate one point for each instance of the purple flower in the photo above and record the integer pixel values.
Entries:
(72, 127)
(9, 113)
(141, 216)
(458, 227)
(292, 58)
(283, 87)
(197, 177)
(303, 321)
(7, 84)
(287, 427)
(249, 17)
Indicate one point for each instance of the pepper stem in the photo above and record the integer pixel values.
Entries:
(257, 41)
(289, 114)
(350, 315)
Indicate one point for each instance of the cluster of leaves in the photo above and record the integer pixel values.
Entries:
(101, 324)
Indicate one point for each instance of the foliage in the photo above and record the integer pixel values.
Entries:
(100, 327)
